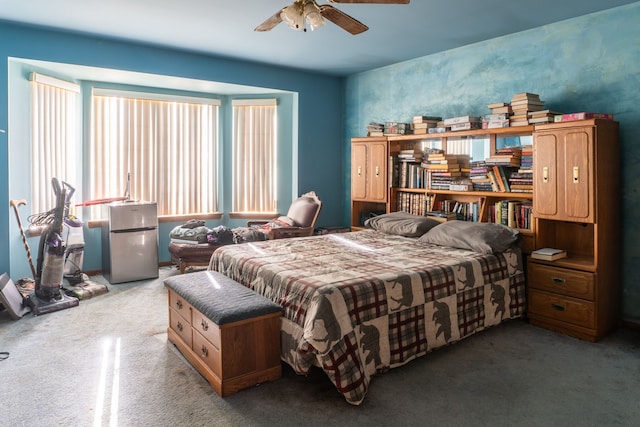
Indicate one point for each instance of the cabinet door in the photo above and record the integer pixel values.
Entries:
(358, 171)
(545, 176)
(578, 179)
(563, 177)
(377, 163)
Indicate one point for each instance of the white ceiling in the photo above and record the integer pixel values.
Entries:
(396, 32)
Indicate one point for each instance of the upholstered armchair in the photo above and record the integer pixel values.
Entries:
(300, 220)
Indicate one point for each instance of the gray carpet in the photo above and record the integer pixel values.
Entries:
(108, 362)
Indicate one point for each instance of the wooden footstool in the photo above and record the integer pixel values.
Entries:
(229, 333)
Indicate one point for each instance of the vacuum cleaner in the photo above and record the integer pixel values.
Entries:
(48, 296)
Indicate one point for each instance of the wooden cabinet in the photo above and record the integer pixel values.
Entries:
(369, 160)
(565, 169)
(369, 182)
(576, 199)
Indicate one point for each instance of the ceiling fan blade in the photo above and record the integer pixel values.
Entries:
(342, 20)
(372, 1)
(270, 23)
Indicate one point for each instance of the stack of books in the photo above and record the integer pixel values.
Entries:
(395, 128)
(521, 180)
(500, 108)
(421, 124)
(508, 156)
(493, 121)
(463, 123)
(375, 129)
(542, 116)
(523, 103)
(582, 116)
(478, 176)
(410, 155)
(442, 169)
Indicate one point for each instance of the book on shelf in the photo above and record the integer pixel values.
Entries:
(497, 105)
(439, 129)
(494, 182)
(549, 254)
(421, 119)
(495, 124)
(500, 110)
(461, 119)
(527, 102)
(525, 95)
(582, 116)
(466, 126)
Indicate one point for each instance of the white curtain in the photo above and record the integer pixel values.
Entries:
(168, 146)
(54, 139)
(254, 155)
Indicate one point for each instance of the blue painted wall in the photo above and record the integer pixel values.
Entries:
(591, 63)
(317, 137)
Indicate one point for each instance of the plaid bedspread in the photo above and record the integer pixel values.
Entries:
(360, 303)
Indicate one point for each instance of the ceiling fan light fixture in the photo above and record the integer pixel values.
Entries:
(312, 15)
(293, 17)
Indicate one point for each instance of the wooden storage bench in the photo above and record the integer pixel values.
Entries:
(230, 334)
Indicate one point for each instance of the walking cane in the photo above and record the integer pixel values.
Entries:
(16, 204)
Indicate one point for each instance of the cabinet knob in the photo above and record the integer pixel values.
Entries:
(545, 174)
(204, 324)
(558, 280)
(359, 170)
(179, 304)
(576, 175)
(377, 171)
(204, 350)
(179, 326)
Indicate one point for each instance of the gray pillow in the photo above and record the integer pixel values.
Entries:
(401, 223)
(483, 237)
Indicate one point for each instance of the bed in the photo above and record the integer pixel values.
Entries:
(360, 303)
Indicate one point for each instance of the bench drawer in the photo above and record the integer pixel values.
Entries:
(206, 328)
(180, 325)
(208, 353)
(179, 304)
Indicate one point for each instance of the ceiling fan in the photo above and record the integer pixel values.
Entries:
(301, 13)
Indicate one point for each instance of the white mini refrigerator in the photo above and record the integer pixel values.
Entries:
(130, 242)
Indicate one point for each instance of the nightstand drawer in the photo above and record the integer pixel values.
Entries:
(180, 325)
(578, 284)
(569, 310)
(178, 303)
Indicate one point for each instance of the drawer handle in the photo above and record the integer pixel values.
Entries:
(359, 170)
(205, 351)
(558, 280)
(377, 171)
(558, 307)
(180, 327)
(179, 304)
(205, 325)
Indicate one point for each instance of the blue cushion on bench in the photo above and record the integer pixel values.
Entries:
(221, 299)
